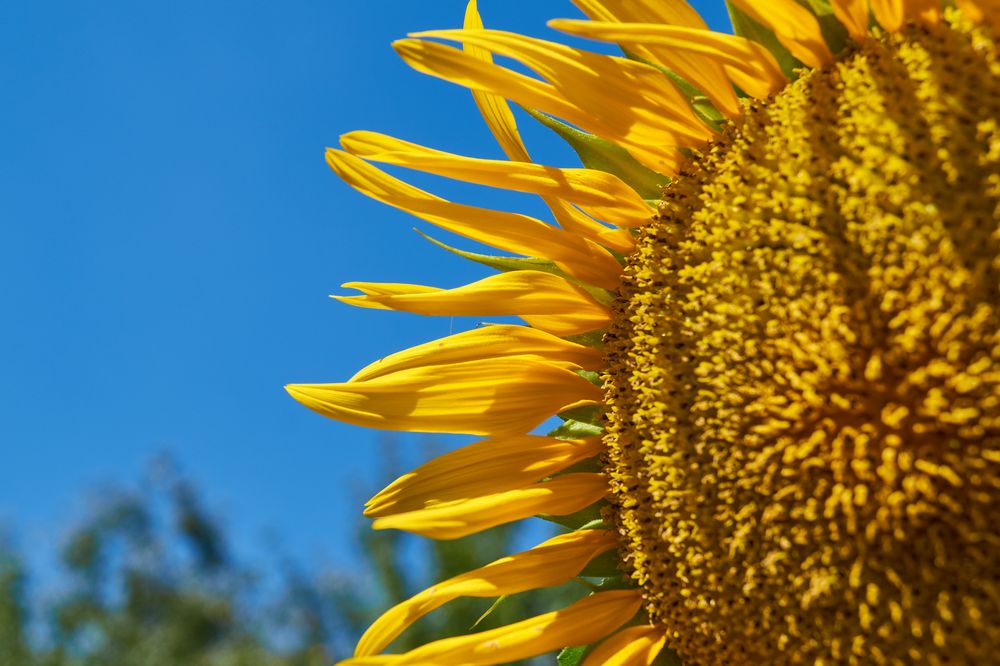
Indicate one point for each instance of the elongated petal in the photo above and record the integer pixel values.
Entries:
(504, 396)
(747, 64)
(635, 646)
(795, 27)
(577, 222)
(595, 83)
(544, 300)
(699, 70)
(615, 119)
(889, 13)
(494, 108)
(597, 192)
(486, 467)
(667, 12)
(579, 257)
(587, 620)
(499, 118)
(494, 341)
(560, 496)
(551, 563)
(853, 15)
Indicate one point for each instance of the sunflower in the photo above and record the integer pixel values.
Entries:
(767, 312)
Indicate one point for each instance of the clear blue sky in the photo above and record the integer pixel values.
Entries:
(171, 232)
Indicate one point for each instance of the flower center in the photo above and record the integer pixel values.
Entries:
(804, 375)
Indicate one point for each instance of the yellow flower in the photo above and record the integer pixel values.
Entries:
(769, 308)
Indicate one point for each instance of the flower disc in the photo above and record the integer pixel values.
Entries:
(804, 372)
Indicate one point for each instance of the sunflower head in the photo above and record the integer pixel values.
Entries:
(768, 311)
(804, 369)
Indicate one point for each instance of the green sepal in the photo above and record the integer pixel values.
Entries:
(602, 155)
(592, 377)
(504, 264)
(744, 26)
(573, 429)
(593, 414)
(575, 521)
(573, 656)
(489, 611)
(598, 524)
(593, 339)
(604, 565)
(667, 657)
(587, 465)
(618, 582)
(834, 33)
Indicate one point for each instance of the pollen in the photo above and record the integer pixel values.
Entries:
(804, 370)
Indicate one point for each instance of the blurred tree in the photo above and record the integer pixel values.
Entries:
(149, 579)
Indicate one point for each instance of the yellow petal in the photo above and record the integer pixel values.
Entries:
(494, 108)
(573, 220)
(747, 64)
(635, 646)
(795, 27)
(586, 621)
(559, 496)
(492, 341)
(669, 12)
(598, 193)
(551, 563)
(853, 15)
(503, 396)
(544, 300)
(697, 69)
(500, 120)
(602, 109)
(486, 467)
(595, 83)
(889, 13)
(578, 257)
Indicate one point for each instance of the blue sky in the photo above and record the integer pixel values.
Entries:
(171, 233)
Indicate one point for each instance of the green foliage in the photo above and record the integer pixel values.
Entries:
(150, 579)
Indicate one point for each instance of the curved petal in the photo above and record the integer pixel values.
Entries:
(697, 69)
(598, 84)
(890, 14)
(635, 646)
(494, 341)
(618, 121)
(551, 563)
(795, 27)
(748, 64)
(853, 15)
(587, 620)
(667, 12)
(598, 193)
(544, 300)
(503, 396)
(500, 120)
(486, 467)
(525, 235)
(560, 496)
